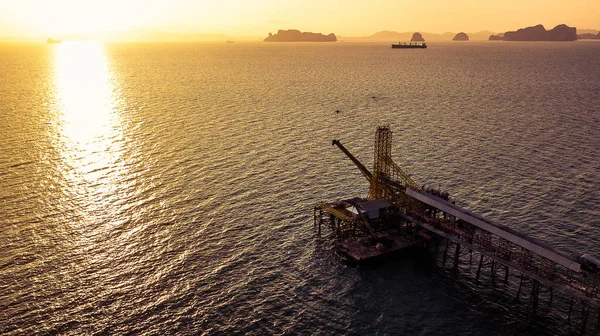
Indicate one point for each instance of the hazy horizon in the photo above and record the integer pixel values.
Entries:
(167, 36)
(36, 18)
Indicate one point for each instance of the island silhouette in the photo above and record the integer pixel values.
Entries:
(461, 37)
(294, 35)
(561, 32)
(417, 37)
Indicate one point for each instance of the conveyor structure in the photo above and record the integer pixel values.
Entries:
(423, 212)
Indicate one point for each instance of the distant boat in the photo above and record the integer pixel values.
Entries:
(409, 45)
(52, 41)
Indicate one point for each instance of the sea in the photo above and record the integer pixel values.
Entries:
(168, 189)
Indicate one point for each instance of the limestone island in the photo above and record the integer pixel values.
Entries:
(561, 32)
(461, 37)
(294, 35)
(498, 37)
(417, 37)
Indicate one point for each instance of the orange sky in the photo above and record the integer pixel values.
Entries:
(258, 17)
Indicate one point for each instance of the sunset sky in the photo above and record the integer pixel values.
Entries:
(258, 17)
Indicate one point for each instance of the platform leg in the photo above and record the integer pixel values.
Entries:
(535, 291)
(585, 312)
(570, 311)
(456, 256)
(598, 322)
(445, 254)
(479, 268)
(520, 285)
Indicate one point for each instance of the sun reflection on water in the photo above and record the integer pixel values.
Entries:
(88, 122)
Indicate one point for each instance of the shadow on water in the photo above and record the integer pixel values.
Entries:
(412, 294)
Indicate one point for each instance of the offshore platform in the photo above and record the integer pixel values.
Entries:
(399, 214)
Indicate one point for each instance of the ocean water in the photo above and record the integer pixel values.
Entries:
(168, 188)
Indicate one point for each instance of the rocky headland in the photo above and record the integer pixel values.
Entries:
(498, 37)
(461, 37)
(294, 35)
(417, 37)
(539, 33)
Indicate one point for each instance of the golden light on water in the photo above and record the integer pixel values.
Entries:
(84, 90)
(87, 118)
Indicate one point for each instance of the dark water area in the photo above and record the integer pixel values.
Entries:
(168, 189)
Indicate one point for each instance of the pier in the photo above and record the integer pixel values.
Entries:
(399, 214)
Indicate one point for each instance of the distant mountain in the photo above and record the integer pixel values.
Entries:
(159, 36)
(294, 35)
(144, 36)
(382, 36)
(392, 36)
(587, 31)
(480, 35)
(539, 33)
(588, 36)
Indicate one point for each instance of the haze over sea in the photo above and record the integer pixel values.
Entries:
(169, 189)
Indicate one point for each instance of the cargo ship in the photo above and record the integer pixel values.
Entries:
(409, 45)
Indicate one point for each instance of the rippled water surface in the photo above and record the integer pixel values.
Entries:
(169, 188)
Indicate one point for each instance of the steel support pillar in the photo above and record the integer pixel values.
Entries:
(479, 268)
(456, 256)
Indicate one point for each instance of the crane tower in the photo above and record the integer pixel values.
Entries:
(385, 170)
